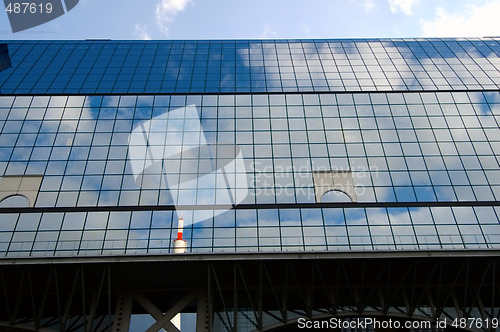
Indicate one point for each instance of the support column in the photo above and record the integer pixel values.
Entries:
(202, 315)
(123, 312)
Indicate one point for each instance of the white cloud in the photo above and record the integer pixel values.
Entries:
(368, 5)
(268, 33)
(141, 32)
(305, 29)
(166, 10)
(474, 21)
(402, 5)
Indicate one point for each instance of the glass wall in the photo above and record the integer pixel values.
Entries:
(87, 67)
(424, 166)
(263, 229)
(411, 147)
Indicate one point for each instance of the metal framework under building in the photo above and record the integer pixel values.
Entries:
(248, 291)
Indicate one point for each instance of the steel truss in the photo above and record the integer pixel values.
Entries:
(247, 292)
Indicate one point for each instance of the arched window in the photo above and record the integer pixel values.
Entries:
(15, 201)
(335, 196)
(336, 182)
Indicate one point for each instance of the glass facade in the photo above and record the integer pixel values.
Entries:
(234, 135)
(85, 67)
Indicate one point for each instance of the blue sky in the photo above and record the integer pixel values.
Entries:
(228, 19)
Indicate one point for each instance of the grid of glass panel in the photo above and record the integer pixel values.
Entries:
(334, 229)
(400, 147)
(69, 110)
(88, 67)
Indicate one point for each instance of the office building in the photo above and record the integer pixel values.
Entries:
(315, 178)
